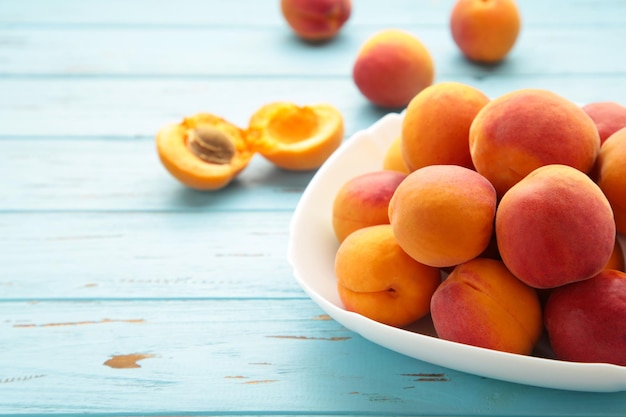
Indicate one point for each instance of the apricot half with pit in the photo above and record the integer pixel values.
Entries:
(203, 151)
(296, 138)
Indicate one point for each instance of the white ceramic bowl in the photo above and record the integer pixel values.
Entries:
(311, 253)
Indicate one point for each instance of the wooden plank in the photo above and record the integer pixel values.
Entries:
(236, 356)
(91, 255)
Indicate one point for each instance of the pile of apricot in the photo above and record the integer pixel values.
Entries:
(206, 152)
(498, 217)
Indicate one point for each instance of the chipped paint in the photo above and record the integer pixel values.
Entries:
(331, 339)
(79, 323)
(20, 378)
(322, 317)
(260, 381)
(259, 363)
(127, 361)
(428, 377)
(236, 377)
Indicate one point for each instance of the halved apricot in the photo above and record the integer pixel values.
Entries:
(296, 138)
(204, 152)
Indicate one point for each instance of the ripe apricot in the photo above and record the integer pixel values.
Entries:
(316, 20)
(293, 137)
(204, 152)
(378, 280)
(611, 175)
(522, 130)
(392, 160)
(363, 201)
(442, 215)
(616, 261)
(485, 30)
(555, 227)
(608, 116)
(391, 67)
(481, 303)
(435, 128)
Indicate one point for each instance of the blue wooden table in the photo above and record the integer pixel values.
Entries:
(124, 293)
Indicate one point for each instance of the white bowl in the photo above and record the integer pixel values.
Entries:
(311, 253)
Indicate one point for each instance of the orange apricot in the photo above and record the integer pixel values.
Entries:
(204, 152)
(297, 138)
(485, 30)
(392, 159)
(608, 116)
(391, 67)
(435, 128)
(611, 175)
(378, 280)
(316, 20)
(616, 261)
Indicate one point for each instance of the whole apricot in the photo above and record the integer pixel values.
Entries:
(617, 260)
(316, 20)
(203, 151)
(485, 30)
(555, 227)
(586, 320)
(442, 215)
(364, 201)
(608, 116)
(392, 159)
(481, 303)
(522, 130)
(293, 137)
(611, 175)
(378, 280)
(436, 124)
(391, 67)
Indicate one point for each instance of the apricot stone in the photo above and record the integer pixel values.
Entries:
(391, 67)
(481, 303)
(611, 175)
(442, 215)
(555, 227)
(436, 124)
(378, 280)
(608, 116)
(316, 20)
(363, 201)
(586, 320)
(528, 128)
(485, 30)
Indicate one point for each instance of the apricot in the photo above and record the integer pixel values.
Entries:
(297, 138)
(608, 116)
(316, 20)
(392, 159)
(616, 260)
(586, 320)
(378, 280)
(391, 67)
(611, 175)
(436, 124)
(442, 215)
(481, 303)
(528, 128)
(485, 30)
(204, 151)
(555, 227)
(363, 201)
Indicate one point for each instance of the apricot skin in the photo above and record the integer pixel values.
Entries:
(316, 20)
(378, 280)
(555, 227)
(586, 320)
(528, 128)
(485, 30)
(392, 160)
(442, 215)
(608, 116)
(363, 201)
(482, 304)
(391, 67)
(611, 175)
(435, 128)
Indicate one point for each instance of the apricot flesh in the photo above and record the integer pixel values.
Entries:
(203, 151)
(485, 30)
(611, 175)
(442, 215)
(555, 227)
(522, 130)
(608, 116)
(391, 67)
(364, 201)
(436, 124)
(316, 20)
(293, 137)
(378, 280)
(481, 303)
(586, 320)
